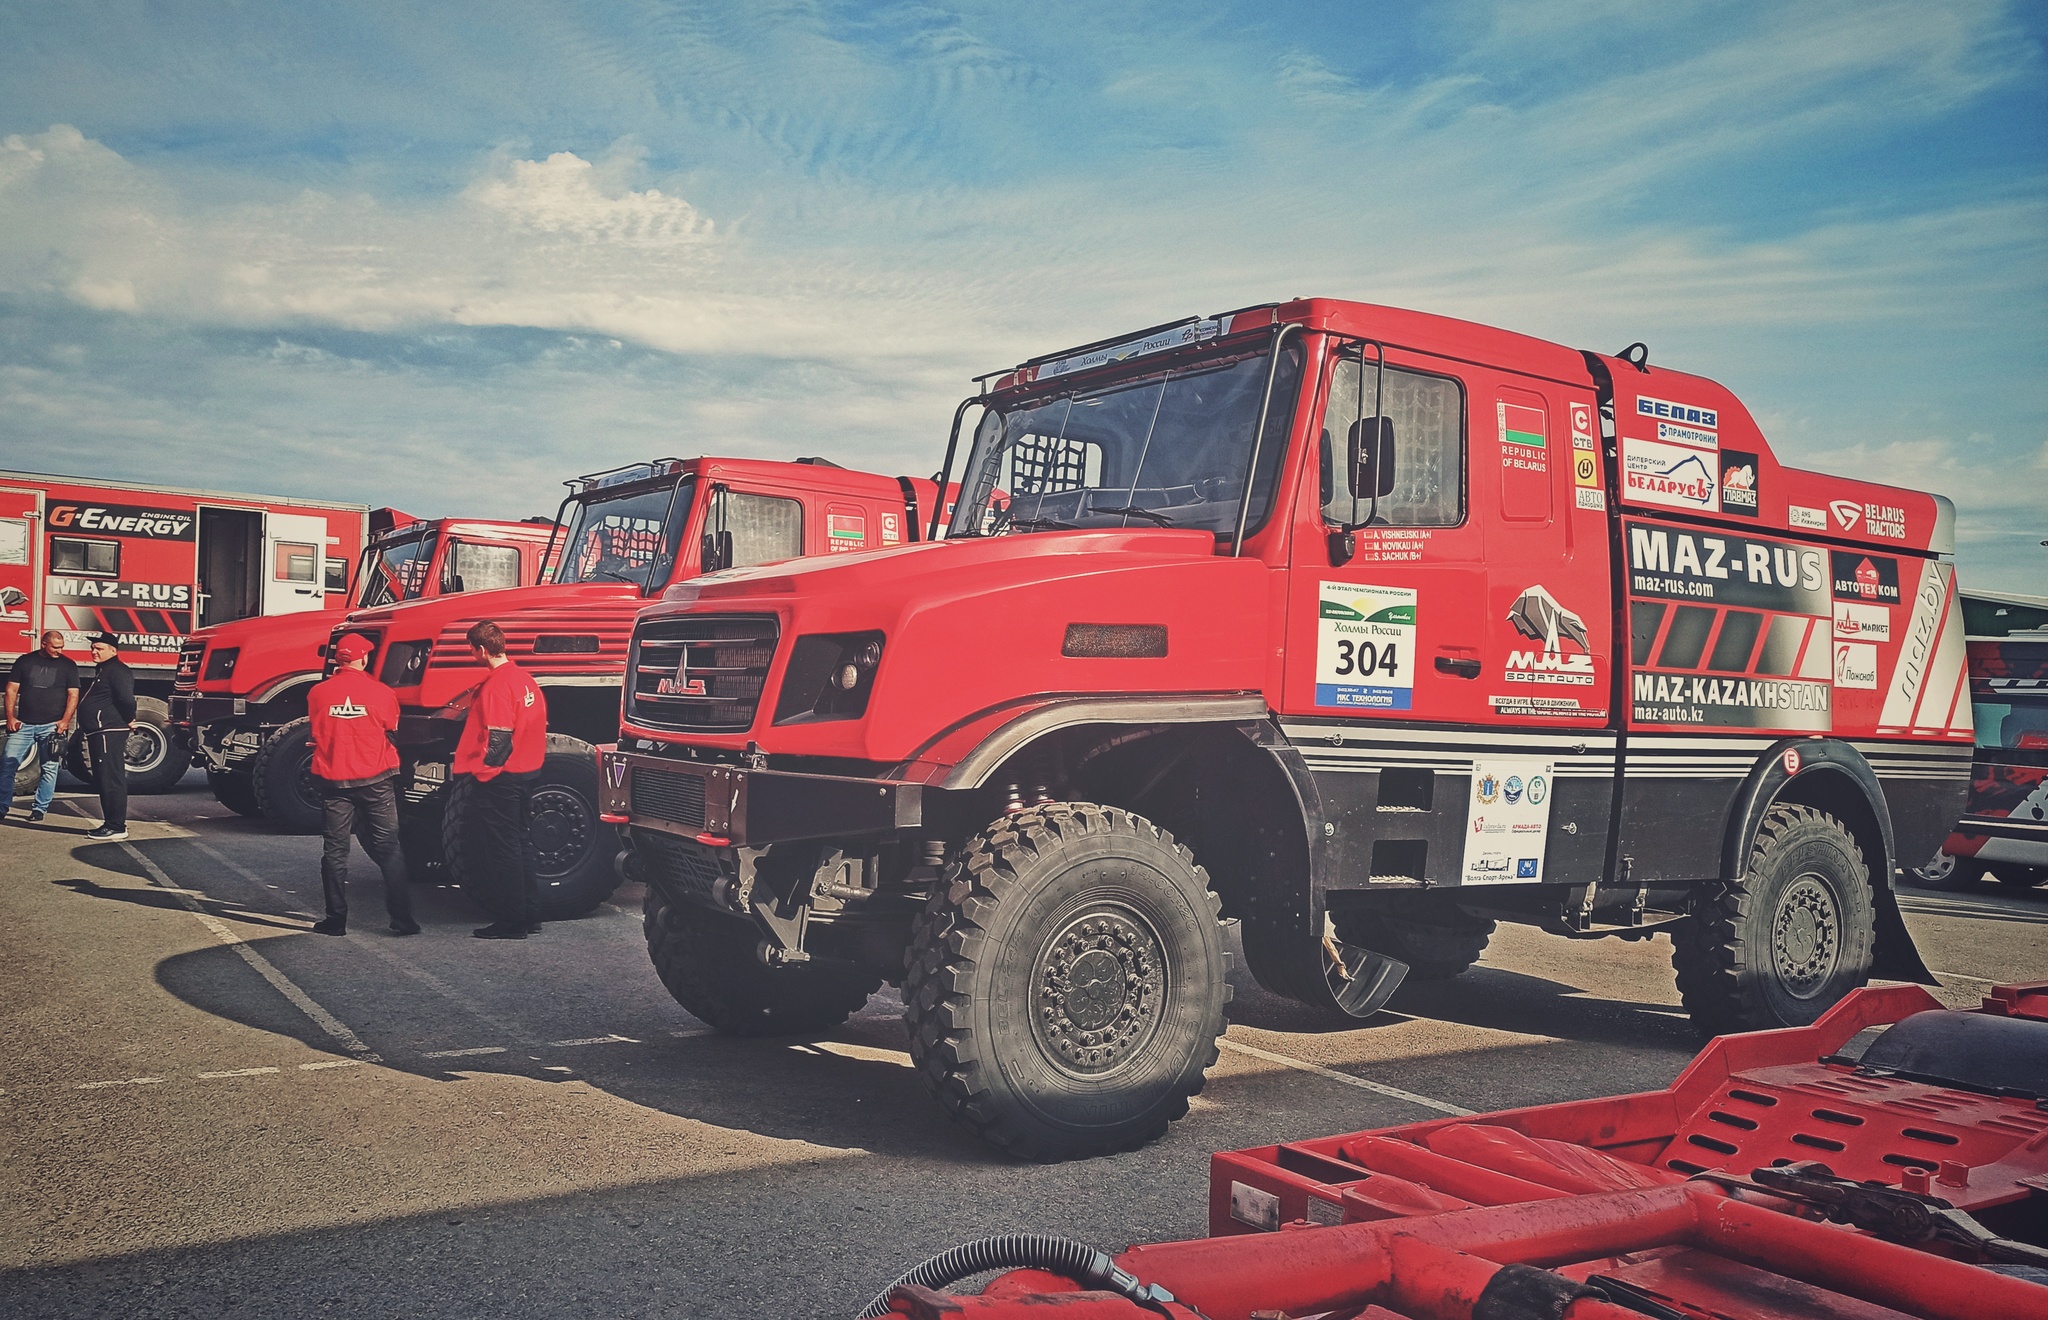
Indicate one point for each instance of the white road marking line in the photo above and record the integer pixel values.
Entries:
(688, 1033)
(397, 961)
(126, 1081)
(463, 1054)
(237, 1072)
(1378, 1088)
(594, 1040)
(330, 1063)
(1959, 976)
(263, 967)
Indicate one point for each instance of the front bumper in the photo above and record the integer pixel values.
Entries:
(735, 806)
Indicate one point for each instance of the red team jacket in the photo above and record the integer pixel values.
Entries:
(352, 714)
(507, 699)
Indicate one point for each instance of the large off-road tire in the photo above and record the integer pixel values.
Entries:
(282, 779)
(1066, 982)
(235, 791)
(157, 755)
(1434, 937)
(1782, 943)
(28, 771)
(1948, 873)
(706, 959)
(572, 848)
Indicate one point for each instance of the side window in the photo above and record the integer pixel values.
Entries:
(1428, 418)
(480, 567)
(86, 558)
(337, 575)
(295, 562)
(764, 528)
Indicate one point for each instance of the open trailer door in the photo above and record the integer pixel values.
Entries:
(294, 550)
(21, 514)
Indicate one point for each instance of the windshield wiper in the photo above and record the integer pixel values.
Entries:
(1152, 514)
(616, 574)
(1054, 523)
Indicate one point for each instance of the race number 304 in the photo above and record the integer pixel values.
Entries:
(1365, 647)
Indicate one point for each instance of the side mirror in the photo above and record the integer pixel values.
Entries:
(1372, 457)
(707, 554)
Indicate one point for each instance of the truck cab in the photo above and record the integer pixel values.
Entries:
(1367, 627)
(626, 536)
(239, 698)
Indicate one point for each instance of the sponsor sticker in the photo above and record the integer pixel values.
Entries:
(892, 528)
(847, 531)
(1565, 651)
(1582, 422)
(122, 520)
(1789, 758)
(1807, 519)
(1365, 647)
(1755, 572)
(1738, 483)
(1674, 434)
(1508, 822)
(1666, 411)
(1855, 665)
(1592, 499)
(1675, 477)
(1873, 579)
(1862, 623)
(1736, 703)
(134, 595)
(1584, 442)
(1585, 468)
(1886, 520)
(1568, 707)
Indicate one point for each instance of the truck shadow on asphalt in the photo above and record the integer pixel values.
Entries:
(154, 897)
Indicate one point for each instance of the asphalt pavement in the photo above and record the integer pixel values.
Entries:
(207, 1110)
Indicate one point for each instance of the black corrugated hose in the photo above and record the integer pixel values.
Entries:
(1024, 1251)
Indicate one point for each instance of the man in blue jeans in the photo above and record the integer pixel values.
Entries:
(42, 696)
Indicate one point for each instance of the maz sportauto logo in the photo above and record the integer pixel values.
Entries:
(1537, 615)
(1847, 514)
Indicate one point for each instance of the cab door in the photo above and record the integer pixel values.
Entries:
(1386, 621)
(21, 521)
(294, 548)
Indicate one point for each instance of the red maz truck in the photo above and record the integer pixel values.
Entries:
(239, 700)
(1367, 627)
(629, 534)
(150, 564)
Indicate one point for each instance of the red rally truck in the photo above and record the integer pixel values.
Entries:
(239, 699)
(1367, 627)
(150, 564)
(629, 533)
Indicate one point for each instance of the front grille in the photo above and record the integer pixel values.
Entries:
(701, 672)
(187, 677)
(678, 799)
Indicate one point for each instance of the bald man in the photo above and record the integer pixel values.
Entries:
(42, 696)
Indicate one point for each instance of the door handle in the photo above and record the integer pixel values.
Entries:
(1457, 666)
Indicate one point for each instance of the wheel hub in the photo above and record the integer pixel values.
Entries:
(1099, 991)
(560, 827)
(1806, 937)
(145, 748)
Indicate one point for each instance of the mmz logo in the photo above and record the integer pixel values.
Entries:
(1537, 616)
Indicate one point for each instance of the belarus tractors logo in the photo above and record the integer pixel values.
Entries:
(682, 685)
(1846, 512)
(1537, 616)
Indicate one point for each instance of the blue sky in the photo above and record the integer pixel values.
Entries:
(443, 258)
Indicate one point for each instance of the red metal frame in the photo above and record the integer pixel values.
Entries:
(1417, 1221)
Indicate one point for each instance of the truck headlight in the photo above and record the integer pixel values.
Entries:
(220, 663)
(404, 663)
(829, 677)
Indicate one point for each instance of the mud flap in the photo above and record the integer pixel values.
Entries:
(1360, 981)
(1896, 958)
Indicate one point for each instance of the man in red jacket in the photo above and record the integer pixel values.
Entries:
(503, 746)
(353, 718)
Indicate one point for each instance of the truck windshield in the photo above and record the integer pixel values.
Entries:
(396, 570)
(1166, 449)
(630, 536)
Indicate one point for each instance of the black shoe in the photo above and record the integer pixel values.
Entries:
(500, 930)
(330, 926)
(405, 928)
(104, 834)
(36, 813)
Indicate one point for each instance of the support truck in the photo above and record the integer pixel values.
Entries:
(1365, 627)
(239, 699)
(628, 534)
(151, 564)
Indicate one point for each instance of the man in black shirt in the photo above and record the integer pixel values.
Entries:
(42, 696)
(104, 717)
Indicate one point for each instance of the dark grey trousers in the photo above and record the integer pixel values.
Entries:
(370, 813)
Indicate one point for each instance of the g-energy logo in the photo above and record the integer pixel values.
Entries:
(122, 520)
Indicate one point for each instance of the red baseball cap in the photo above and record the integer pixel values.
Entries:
(352, 646)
